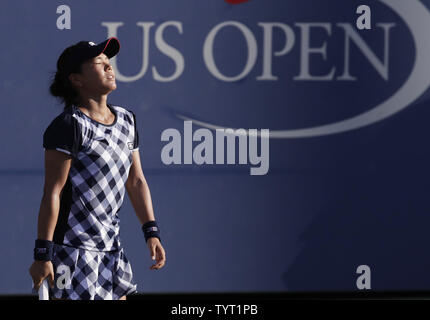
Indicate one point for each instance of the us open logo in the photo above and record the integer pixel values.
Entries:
(317, 60)
(415, 16)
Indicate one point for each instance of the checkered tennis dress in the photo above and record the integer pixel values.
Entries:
(89, 262)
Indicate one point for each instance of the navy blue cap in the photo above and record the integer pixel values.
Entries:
(73, 56)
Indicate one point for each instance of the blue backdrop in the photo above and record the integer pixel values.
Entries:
(348, 113)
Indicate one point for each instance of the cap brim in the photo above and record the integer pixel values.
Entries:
(109, 47)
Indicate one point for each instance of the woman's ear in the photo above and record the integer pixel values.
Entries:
(75, 80)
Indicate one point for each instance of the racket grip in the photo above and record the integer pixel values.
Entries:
(44, 290)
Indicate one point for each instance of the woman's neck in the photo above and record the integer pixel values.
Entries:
(96, 107)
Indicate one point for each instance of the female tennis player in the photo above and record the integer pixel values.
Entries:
(91, 158)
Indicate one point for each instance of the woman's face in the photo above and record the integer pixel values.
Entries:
(97, 76)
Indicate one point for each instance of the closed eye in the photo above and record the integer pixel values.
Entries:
(101, 59)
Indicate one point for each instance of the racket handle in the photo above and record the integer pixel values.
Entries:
(44, 290)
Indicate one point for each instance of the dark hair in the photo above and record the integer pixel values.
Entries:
(62, 88)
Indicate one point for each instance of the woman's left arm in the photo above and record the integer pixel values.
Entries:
(140, 197)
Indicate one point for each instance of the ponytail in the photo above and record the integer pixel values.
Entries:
(62, 88)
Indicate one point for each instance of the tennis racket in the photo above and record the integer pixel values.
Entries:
(44, 290)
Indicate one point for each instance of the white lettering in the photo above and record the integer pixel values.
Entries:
(306, 50)
(63, 281)
(351, 33)
(168, 51)
(268, 47)
(112, 32)
(363, 281)
(64, 21)
(203, 153)
(208, 54)
(363, 21)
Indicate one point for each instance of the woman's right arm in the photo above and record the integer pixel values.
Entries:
(57, 166)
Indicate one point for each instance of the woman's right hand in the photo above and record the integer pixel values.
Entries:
(39, 271)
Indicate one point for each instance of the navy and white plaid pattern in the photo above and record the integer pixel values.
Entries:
(102, 157)
(91, 275)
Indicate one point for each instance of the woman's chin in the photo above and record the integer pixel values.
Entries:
(109, 88)
(112, 85)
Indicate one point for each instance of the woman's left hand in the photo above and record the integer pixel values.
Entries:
(157, 253)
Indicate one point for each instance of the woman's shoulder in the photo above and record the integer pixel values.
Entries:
(66, 118)
(63, 133)
(125, 111)
(121, 108)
